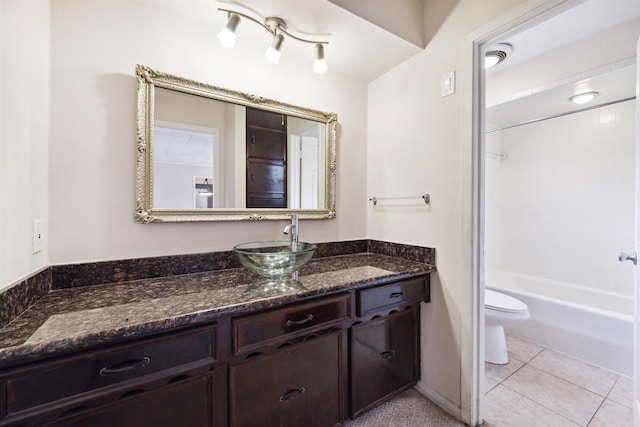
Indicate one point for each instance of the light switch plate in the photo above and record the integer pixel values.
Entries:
(448, 84)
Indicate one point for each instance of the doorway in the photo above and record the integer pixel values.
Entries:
(560, 12)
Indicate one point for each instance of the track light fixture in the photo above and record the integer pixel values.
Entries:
(278, 29)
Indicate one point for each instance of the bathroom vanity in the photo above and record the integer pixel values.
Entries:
(218, 348)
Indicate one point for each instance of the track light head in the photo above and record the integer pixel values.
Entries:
(319, 63)
(228, 34)
(273, 52)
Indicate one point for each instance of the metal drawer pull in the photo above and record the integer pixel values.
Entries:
(387, 354)
(300, 322)
(124, 367)
(292, 394)
(396, 295)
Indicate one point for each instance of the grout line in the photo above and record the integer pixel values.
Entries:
(542, 406)
(594, 414)
(604, 398)
(568, 382)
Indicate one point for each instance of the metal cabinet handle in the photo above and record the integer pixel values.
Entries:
(300, 322)
(387, 354)
(125, 367)
(292, 394)
(396, 295)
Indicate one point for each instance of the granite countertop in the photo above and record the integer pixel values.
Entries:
(72, 319)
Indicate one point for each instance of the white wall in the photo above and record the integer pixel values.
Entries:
(174, 184)
(416, 145)
(566, 200)
(24, 135)
(95, 48)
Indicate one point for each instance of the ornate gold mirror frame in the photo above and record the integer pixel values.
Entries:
(147, 81)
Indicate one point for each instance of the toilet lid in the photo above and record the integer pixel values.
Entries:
(502, 302)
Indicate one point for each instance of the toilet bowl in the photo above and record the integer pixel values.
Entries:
(500, 310)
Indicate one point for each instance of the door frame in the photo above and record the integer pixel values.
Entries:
(517, 20)
(636, 325)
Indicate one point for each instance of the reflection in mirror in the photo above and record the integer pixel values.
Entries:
(206, 153)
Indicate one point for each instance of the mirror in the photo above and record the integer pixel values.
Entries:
(212, 154)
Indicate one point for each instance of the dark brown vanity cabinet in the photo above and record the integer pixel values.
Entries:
(298, 385)
(143, 383)
(266, 134)
(384, 358)
(308, 363)
(291, 365)
(385, 351)
(186, 404)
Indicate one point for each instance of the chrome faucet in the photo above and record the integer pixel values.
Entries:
(292, 230)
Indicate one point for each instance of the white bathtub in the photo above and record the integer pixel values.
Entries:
(578, 321)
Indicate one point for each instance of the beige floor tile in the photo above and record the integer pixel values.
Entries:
(500, 372)
(566, 399)
(506, 408)
(489, 384)
(612, 414)
(590, 377)
(521, 349)
(622, 392)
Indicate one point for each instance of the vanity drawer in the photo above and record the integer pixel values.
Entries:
(47, 382)
(398, 293)
(255, 330)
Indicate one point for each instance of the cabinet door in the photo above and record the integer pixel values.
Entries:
(384, 358)
(184, 404)
(298, 385)
(266, 144)
(265, 178)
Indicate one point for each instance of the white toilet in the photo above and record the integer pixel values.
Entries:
(500, 310)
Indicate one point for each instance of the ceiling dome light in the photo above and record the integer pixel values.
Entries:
(583, 98)
(496, 54)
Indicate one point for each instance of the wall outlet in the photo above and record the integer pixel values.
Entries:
(448, 84)
(37, 235)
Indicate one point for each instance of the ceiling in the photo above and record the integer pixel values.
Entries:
(565, 31)
(572, 25)
(612, 86)
(362, 50)
(356, 47)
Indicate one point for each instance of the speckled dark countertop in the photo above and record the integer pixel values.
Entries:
(65, 320)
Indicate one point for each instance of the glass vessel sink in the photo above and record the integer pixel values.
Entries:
(274, 258)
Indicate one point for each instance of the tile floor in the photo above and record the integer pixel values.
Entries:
(541, 387)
